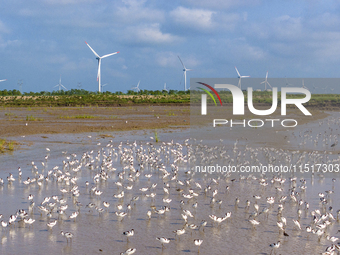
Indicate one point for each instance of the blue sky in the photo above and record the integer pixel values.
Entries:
(43, 39)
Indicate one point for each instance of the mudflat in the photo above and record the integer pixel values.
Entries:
(19, 121)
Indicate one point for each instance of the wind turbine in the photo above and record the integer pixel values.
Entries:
(99, 58)
(303, 84)
(136, 88)
(60, 85)
(240, 77)
(287, 83)
(266, 82)
(103, 86)
(164, 88)
(185, 74)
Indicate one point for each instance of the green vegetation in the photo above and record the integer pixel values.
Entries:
(78, 117)
(32, 118)
(6, 146)
(156, 136)
(80, 98)
(83, 98)
(265, 97)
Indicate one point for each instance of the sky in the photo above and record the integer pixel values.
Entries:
(41, 40)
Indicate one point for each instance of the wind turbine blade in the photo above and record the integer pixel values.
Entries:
(237, 72)
(269, 85)
(3, 80)
(95, 53)
(267, 75)
(108, 55)
(181, 62)
(245, 76)
(56, 86)
(64, 87)
(138, 84)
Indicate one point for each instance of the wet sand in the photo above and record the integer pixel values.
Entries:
(52, 120)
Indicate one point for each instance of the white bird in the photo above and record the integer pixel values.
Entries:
(198, 243)
(275, 245)
(74, 215)
(4, 224)
(254, 222)
(68, 235)
(179, 232)
(29, 221)
(129, 251)
(129, 233)
(51, 224)
(163, 240)
(297, 224)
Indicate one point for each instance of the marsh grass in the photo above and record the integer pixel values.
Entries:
(156, 136)
(32, 118)
(6, 146)
(84, 116)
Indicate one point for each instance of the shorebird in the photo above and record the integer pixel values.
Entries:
(129, 233)
(29, 221)
(121, 215)
(163, 240)
(68, 235)
(129, 251)
(275, 246)
(254, 222)
(198, 243)
(4, 224)
(74, 215)
(51, 224)
(203, 224)
(179, 232)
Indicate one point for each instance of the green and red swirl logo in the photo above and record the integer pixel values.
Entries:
(208, 92)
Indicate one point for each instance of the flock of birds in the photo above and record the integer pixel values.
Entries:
(157, 182)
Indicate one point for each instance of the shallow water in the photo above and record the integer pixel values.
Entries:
(101, 233)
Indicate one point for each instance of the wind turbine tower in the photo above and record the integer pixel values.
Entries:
(185, 74)
(99, 58)
(60, 85)
(240, 77)
(136, 88)
(164, 88)
(266, 82)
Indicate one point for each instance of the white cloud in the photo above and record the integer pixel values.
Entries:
(149, 34)
(134, 11)
(223, 4)
(167, 59)
(230, 21)
(195, 18)
(170, 59)
(288, 28)
(67, 2)
(238, 49)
